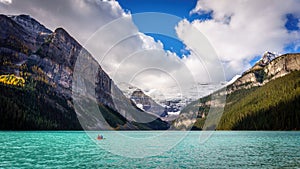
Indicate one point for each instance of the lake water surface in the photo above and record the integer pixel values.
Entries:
(69, 149)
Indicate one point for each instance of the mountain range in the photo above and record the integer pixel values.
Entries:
(48, 81)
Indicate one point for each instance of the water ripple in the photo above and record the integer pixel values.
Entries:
(222, 150)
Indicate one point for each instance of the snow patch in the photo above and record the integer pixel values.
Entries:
(233, 79)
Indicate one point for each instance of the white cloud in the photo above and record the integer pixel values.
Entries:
(149, 42)
(132, 57)
(120, 48)
(7, 2)
(239, 31)
(203, 60)
(81, 18)
(243, 29)
(122, 51)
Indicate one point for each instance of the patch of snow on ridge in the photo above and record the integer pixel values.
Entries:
(233, 79)
(174, 99)
(268, 57)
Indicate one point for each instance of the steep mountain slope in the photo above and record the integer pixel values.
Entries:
(266, 70)
(274, 106)
(266, 97)
(141, 100)
(46, 61)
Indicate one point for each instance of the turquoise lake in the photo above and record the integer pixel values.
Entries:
(221, 150)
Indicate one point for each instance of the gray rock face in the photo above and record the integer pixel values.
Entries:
(142, 100)
(146, 103)
(265, 71)
(15, 37)
(283, 65)
(267, 58)
(31, 24)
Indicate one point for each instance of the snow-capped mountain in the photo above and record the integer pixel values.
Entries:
(142, 100)
(173, 100)
(267, 58)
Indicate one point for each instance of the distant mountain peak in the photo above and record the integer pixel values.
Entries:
(267, 58)
(141, 99)
(270, 67)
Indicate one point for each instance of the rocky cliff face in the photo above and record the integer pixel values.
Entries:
(146, 103)
(47, 60)
(31, 25)
(267, 69)
(141, 100)
(282, 66)
(50, 55)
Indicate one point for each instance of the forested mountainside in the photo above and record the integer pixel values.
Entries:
(266, 97)
(36, 74)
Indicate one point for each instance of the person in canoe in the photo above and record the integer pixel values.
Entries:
(99, 137)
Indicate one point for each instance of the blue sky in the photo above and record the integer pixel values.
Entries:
(179, 8)
(290, 25)
(182, 8)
